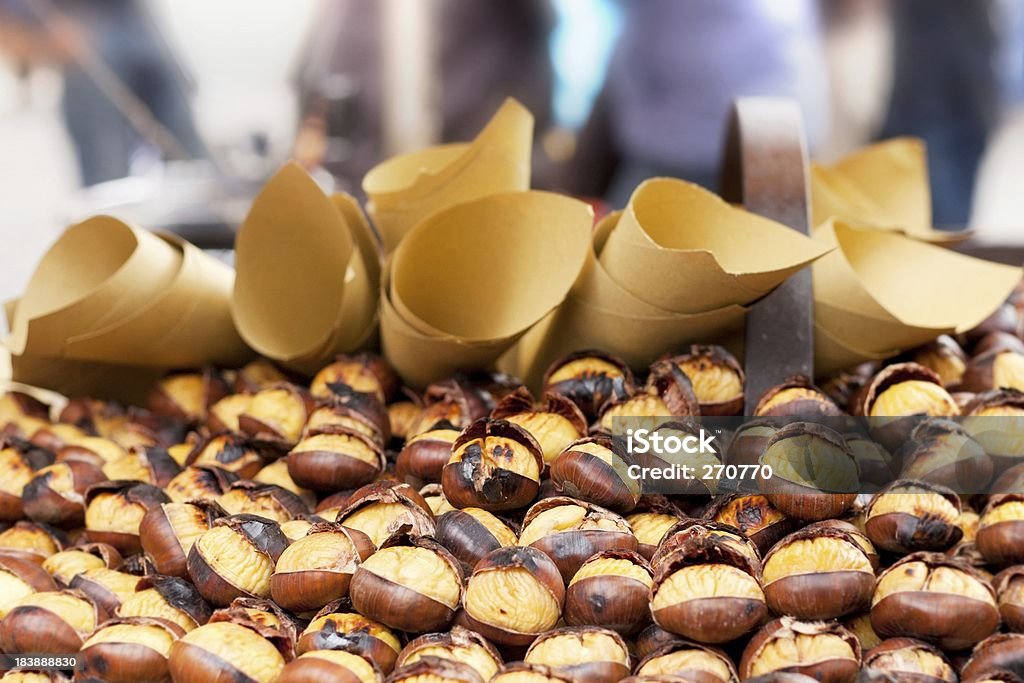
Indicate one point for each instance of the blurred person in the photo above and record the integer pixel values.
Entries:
(93, 40)
(485, 52)
(671, 83)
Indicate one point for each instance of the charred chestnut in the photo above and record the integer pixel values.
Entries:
(908, 516)
(336, 627)
(56, 494)
(755, 516)
(495, 465)
(589, 379)
(19, 462)
(229, 452)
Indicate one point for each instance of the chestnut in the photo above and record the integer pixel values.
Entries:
(667, 393)
(336, 627)
(820, 572)
(911, 660)
(131, 650)
(686, 661)
(1001, 653)
(363, 373)
(934, 598)
(187, 396)
(235, 557)
(814, 475)
(151, 465)
(1000, 536)
(995, 419)
(433, 494)
(19, 462)
(569, 531)
(857, 535)
(1009, 587)
(424, 455)
(459, 645)
(652, 638)
(276, 415)
(65, 565)
(325, 666)
(471, 533)
(32, 676)
(403, 415)
(555, 422)
(688, 531)
(31, 540)
(354, 412)
(334, 458)
(594, 469)
(265, 500)
(435, 670)
(708, 591)
(199, 482)
(276, 473)
(942, 451)
(589, 379)
(717, 378)
(796, 397)
(824, 651)
(223, 415)
(513, 595)
(382, 508)
(229, 452)
(317, 568)
(997, 368)
(106, 587)
(263, 616)
(495, 465)
(20, 577)
(55, 495)
(50, 622)
(168, 531)
(649, 528)
(860, 626)
(412, 584)
(95, 450)
(755, 516)
(169, 598)
(610, 589)
(898, 391)
(907, 516)
(945, 358)
(585, 653)
(749, 441)
(114, 512)
(224, 651)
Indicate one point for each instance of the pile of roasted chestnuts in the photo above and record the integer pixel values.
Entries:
(249, 526)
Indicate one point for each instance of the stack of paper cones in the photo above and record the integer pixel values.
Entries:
(110, 305)
(308, 274)
(677, 266)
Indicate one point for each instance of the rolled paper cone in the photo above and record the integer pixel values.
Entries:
(887, 332)
(127, 384)
(898, 281)
(832, 355)
(406, 189)
(303, 290)
(188, 324)
(685, 250)
(99, 272)
(885, 186)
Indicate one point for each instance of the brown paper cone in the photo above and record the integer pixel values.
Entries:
(304, 290)
(685, 250)
(404, 190)
(98, 273)
(123, 383)
(832, 355)
(886, 280)
(884, 185)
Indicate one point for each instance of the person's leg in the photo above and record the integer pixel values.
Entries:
(101, 135)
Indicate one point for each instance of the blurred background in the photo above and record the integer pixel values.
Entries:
(173, 112)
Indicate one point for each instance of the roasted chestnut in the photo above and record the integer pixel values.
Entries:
(1000, 536)
(521, 672)
(570, 531)
(458, 645)
(494, 465)
(796, 397)
(114, 512)
(945, 358)
(168, 531)
(433, 494)
(689, 531)
(276, 415)
(319, 666)
(873, 462)
(749, 442)
(402, 415)
(336, 627)
(229, 452)
(105, 587)
(819, 572)
(276, 473)
(1009, 587)
(363, 373)
(1002, 653)
(998, 368)
(514, 595)
(187, 396)
(594, 469)
(50, 622)
(168, 598)
(265, 500)
(934, 598)
(424, 455)
(860, 626)
(223, 415)
(235, 557)
(907, 516)
(55, 495)
(555, 422)
(333, 458)
(898, 391)
(910, 659)
(471, 533)
(708, 591)
(589, 379)
(66, 564)
(19, 462)
(129, 651)
(317, 569)
(824, 651)
(31, 540)
(412, 584)
(684, 660)
(585, 653)
(716, 376)
(995, 419)
(226, 651)
(435, 670)
(20, 577)
(941, 451)
(667, 394)
(755, 516)
(384, 507)
(650, 524)
(611, 589)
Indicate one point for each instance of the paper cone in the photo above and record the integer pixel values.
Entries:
(886, 281)
(885, 186)
(123, 383)
(404, 190)
(304, 290)
(98, 273)
(476, 276)
(832, 355)
(685, 250)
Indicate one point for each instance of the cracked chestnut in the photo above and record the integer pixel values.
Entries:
(589, 379)
(384, 507)
(50, 622)
(114, 512)
(131, 650)
(584, 653)
(1000, 535)
(908, 516)
(824, 651)
(236, 558)
(555, 421)
(611, 590)
(317, 568)
(686, 661)
(337, 627)
(471, 533)
(458, 645)
(168, 531)
(910, 660)
(169, 598)
(594, 469)
(424, 455)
